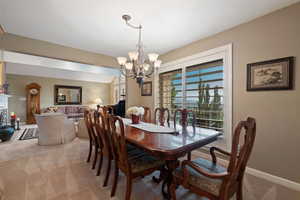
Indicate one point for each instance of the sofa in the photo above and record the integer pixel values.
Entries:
(72, 112)
(54, 128)
(6, 133)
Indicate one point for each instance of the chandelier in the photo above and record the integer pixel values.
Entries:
(138, 66)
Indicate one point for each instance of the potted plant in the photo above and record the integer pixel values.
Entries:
(135, 113)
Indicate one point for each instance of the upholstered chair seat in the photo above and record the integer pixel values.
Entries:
(205, 183)
(131, 147)
(144, 163)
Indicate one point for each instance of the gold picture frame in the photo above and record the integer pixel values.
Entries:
(146, 89)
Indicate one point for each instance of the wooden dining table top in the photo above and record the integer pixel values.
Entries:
(171, 146)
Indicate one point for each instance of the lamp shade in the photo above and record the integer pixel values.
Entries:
(157, 63)
(133, 55)
(152, 57)
(98, 101)
(146, 66)
(121, 60)
(128, 65)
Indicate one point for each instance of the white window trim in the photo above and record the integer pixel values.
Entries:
(119, 83)
(224, 53)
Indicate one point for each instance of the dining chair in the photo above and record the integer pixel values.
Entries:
(184, 120)
(147, 115)
(93, 140)
(161, 116)
(102, 129)
(207, 178)
(132, 165)
(103, 132)
(103, 109)
(110, 109)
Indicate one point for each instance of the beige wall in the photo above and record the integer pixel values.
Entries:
(21, 44)
(17, 84)
(276, 35)
(134, 98)
(133, 93)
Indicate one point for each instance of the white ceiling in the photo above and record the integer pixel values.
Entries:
(22, 64)
(96, 25)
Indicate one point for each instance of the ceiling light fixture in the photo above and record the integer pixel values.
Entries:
(138, 66)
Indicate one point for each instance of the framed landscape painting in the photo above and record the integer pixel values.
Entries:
(271, 75)
(146, 88)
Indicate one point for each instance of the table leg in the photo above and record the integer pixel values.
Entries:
(161, 177)
(171, 166)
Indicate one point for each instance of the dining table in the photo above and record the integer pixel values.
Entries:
(170, 145)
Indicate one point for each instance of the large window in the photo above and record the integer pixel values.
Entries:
(203, 83)
(204, 93)
(170, 90)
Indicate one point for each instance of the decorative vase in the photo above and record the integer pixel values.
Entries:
(135, 119)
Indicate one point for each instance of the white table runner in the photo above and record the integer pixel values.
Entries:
(150, 127)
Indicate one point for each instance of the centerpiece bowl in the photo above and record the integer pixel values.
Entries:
(135, 113)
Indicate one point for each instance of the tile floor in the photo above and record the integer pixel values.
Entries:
(32, 172)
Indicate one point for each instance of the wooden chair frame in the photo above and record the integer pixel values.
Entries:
(161, 117)
(105, 109)
(103, 131)
(122, 160)
(184, 117)
(233, 178)
(184, 122)
(93, 139)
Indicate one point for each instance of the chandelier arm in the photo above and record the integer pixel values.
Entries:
(128, 75)
(150, 72)
(124, 73)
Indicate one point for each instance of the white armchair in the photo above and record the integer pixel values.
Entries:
(82, 131)
(54, 128)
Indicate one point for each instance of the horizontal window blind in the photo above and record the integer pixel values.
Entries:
(204, 94)
(170, 90)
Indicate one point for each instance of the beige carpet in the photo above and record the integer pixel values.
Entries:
(32, 172)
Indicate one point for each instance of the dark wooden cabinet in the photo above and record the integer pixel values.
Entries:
(33, 102)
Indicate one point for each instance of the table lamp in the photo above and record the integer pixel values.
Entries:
(98, 102)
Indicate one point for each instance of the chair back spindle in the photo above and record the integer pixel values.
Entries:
(183, 120)
(161, 117)
(89, 124)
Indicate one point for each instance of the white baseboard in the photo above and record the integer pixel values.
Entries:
(274, 179)
(266, 176)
